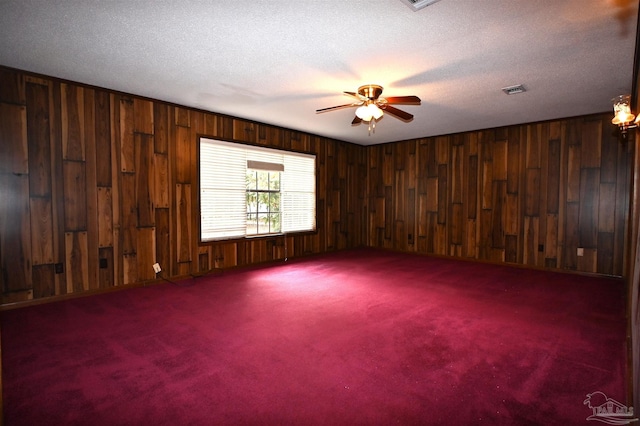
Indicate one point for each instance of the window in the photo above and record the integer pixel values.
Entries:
(263, 202)
(251, 191)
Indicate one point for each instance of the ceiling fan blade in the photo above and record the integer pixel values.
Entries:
(403, 100)
(336, 107)
(397, 112)
(354, 94)
(356, 120)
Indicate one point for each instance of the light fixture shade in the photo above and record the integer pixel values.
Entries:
(369, 112)
(376, 112)
(364, 113)
(622, 110)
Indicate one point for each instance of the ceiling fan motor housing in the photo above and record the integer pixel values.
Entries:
(371, 91)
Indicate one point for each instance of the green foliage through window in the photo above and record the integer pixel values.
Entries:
(263, 202)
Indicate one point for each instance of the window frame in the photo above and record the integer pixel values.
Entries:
(251, 236)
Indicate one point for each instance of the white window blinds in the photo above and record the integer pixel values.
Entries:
(223, 200)
(298, 193)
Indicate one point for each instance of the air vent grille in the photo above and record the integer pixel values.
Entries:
(512, 90)
(416, 5)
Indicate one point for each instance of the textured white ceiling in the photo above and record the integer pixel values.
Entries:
(277, 61)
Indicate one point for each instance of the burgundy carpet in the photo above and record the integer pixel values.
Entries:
(356, 337)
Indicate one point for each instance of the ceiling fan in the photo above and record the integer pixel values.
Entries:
(372, 106)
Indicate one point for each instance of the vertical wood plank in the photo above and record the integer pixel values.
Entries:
(571, 236)
(457, 224)
(457, 173)
(512, 215)
(43, 281)
(498, 214)
(103, 138)
(161, 128)
(442, 193)
(41, 231)
(146, 253)
(588, 262)
(610, 145)
(91, 161)
(573, 174)
(532, 192)
(472, 188)
(163, 240)
(38, 140)
(553, 180)
(487, 184)
(471, 243)
(105, 215)
(606, 207)
(129, 268)
(143, 116)
(13, 134)
(531, 238)
(127, 142)
(57, 183)
(160, 195)
(484, 234)
(75, 196)
(72, 116)
(534, 136)
(183, 215)
(129, 214)
(12, 89)
(183, 160)
(105, 275)
(511, 249)
(591, 143)
(77, 261)
(15, 233)
(499, 162)
(513, 161)
(551, 237)
(144, 180)
(182, 119)
(588, 216)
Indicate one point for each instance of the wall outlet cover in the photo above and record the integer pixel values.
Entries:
(156, 267)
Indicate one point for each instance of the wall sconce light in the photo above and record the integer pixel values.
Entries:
(622, 116)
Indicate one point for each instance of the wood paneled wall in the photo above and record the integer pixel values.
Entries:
(528, 195)
(96, 186)
(104, 184)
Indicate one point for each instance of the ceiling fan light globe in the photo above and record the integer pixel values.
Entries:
(375, 111)
(364, 113)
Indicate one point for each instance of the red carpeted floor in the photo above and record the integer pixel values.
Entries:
(356, 337)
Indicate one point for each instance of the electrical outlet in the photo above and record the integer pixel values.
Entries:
(156, 268)
(580, 251)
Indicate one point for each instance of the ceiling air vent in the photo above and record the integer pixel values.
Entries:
(416, 5)
(512, 90)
